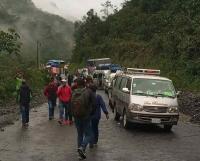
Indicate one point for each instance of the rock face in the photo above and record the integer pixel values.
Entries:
(189, 104)
(54, 33)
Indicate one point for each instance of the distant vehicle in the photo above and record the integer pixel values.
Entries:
(103, 67)
(103, 72)
(142, 96)
(55, 63)
(115, 67)
(56, 66)
(93, 63)
(98, 78)
(108, 81)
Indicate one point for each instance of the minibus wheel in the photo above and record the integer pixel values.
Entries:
(125, 122)
(168, 128)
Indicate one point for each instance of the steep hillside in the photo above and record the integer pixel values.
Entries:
(146, 33)
(53, 32)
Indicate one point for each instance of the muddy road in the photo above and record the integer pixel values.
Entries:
(47, 141)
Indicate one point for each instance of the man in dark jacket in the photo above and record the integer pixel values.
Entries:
(50, 92)
(100, 105)
(83, 105)
(24, 101)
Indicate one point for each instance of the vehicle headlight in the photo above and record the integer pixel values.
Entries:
(135, 107)
(173, 109)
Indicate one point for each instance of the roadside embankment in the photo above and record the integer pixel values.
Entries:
(10, 112)
(189, 104)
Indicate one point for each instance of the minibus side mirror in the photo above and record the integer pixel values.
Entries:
(126, 90)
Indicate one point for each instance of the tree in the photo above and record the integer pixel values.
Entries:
(9, 42)
(148, 34)
(107, 6)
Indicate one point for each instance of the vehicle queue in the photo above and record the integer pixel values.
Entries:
(138, 96)
(135, 95)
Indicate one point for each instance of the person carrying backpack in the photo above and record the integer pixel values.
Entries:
(83, 106)
(100, 105)
(64, 94)
(24, 95)
(50, 92)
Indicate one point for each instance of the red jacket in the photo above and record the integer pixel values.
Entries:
(50, 90)
(64, 93)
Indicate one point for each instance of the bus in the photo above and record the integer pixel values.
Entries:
(93, 63)
(56, 66)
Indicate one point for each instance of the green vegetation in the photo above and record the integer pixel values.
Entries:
(147, 34)
(11, 63)
(54, 33)
(9, 42)
(18, 45)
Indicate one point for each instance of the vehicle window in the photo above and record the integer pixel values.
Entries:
(128, 84)
(123, 83)
(153, 87)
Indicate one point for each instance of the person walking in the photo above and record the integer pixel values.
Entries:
(88, 81)
(100, 105)
(24, 96)
(64, 94)
(83, 106)
(70, 79)
(19, 79)
(50, 92)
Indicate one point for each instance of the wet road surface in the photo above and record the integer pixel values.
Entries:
(47, 141)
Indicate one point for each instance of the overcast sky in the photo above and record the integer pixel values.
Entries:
(72, 9)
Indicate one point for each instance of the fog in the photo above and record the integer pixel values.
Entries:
(72, 9)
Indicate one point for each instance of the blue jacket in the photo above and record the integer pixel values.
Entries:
(100, 104)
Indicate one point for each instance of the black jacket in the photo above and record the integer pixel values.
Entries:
(24, 95)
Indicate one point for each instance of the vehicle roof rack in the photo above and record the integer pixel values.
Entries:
(142, 71)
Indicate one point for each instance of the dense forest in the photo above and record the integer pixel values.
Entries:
(22, 25)
(12, 64)
(54, 34)
(147, 34)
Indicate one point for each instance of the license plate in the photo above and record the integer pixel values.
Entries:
(156, 121)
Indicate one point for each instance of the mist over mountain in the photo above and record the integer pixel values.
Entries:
(54, 33)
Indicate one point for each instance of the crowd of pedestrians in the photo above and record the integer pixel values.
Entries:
(77, 102)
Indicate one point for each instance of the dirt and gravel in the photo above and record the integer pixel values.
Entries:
(10, 112)
(46, 140)
(189, 104)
